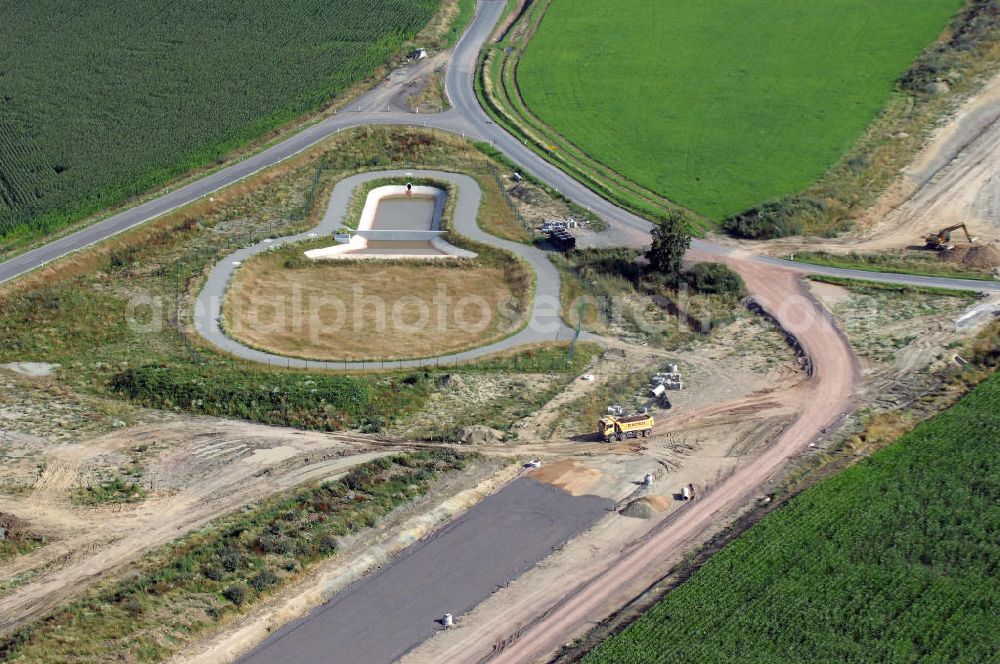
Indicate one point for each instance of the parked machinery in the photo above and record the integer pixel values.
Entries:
(941, 240)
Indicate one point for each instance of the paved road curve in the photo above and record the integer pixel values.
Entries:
(466, 118)
(544, 323)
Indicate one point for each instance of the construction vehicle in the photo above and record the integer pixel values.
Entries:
(619, 428)
(941, 241)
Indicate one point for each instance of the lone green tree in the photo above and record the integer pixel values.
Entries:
(671, 238)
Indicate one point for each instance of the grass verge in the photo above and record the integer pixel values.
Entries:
(862, 285)
(921, 266)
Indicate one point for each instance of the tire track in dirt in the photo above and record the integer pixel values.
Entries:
(824, 399)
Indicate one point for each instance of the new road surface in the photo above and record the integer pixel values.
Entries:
(450, 572)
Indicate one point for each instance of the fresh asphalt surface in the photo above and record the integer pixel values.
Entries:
(452, 571)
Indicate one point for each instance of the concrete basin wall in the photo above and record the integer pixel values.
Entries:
(368, 228)
(369, 214)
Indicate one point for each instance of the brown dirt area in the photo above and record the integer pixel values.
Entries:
(902, 341)
(194, 471)
(954, 179)
(325, 311)
(569, 476)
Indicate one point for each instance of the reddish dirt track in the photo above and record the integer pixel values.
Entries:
(824, 398)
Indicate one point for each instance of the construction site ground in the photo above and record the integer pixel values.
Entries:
(194, 470)
(744, 388)
(739, 395)
(954, 179)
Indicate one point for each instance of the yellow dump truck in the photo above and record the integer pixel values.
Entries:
(620, 428)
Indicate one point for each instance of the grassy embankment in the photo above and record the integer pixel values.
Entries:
(892, 559)
(193, 587)
(862, 285)
(76, 312)
(623, 296)
(868, 127)
(922, 264)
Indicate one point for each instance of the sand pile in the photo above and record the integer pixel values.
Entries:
(645, 508)
(981, 256)
(569, 475)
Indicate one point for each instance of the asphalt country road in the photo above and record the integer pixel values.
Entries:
(466, 118)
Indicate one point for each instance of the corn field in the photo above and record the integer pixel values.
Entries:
(896, 559)
(102, 100)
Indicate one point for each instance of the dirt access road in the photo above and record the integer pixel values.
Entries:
(822, 400)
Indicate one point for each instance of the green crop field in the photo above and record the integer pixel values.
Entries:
(721, 105)
(896, 559)
(101, 100)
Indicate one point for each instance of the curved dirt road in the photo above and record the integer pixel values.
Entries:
(824, 397)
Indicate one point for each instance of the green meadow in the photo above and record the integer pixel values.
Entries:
(722, 105)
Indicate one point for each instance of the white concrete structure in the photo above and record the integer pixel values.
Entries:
(426, 237)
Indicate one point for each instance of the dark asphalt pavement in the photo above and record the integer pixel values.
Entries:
(379, 618)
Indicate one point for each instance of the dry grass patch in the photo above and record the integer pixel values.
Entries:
(369, 310)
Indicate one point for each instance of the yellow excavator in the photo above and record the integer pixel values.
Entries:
(941, 241)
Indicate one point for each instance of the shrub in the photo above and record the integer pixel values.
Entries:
(213, 572)
(237, 594)
(309, 401)
(231, 561)
(134, 607)
(780, 218)
(328, 546)
(372, 425)
(263, 581)
(715, 278)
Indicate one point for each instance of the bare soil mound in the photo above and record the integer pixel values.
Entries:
(11, 527)
(984, 256)
(645, 508)
(569, 475)
(480, 435)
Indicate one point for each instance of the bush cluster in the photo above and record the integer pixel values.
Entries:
(715, 279)
(971, 27)
(313, 401)
(774, 219)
